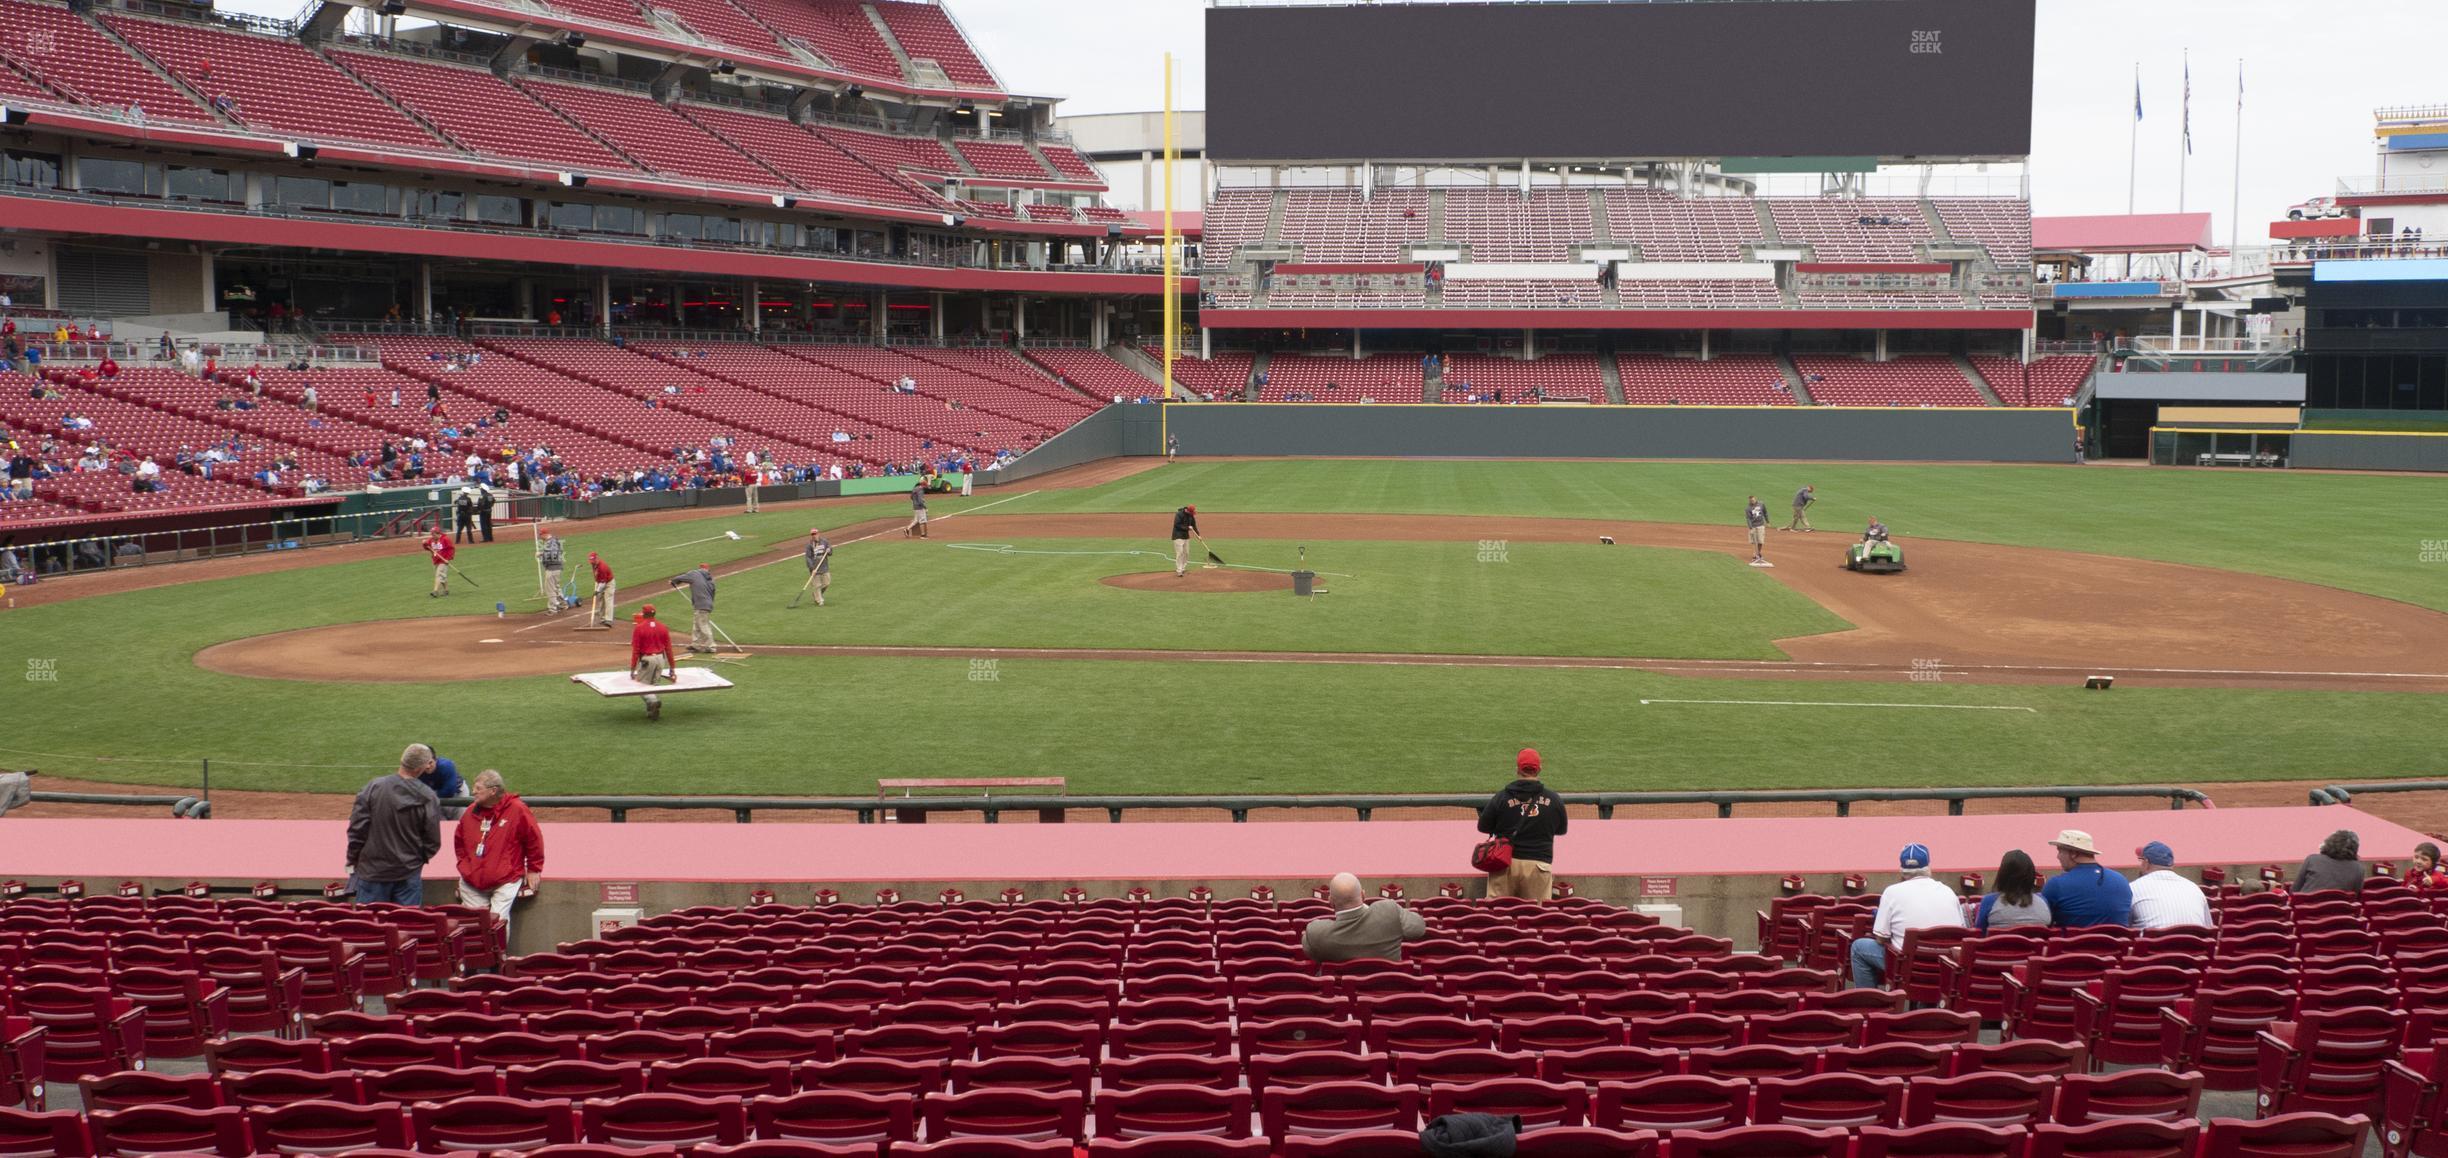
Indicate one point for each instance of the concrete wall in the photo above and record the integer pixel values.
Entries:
(1099, 436)
(1764, 432)
(2314, 449)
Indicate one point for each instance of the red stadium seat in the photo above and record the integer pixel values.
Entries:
(1945, 1140)
(487, 1123)
(1005, 1113)
(1981, 1098)
(1672, 1104)
(170, 1130)
(129, 1089)
(313, 1127)
(2119, 1138)
(2327, 1062)
(1173, 1110)
(1758, 1142)
(2145, 1093)
(1337, 1107)
(662, 1119)
(2292, 1135)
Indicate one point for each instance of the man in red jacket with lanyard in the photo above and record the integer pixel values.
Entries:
(650, 656)
(439, 546)
(501, 850)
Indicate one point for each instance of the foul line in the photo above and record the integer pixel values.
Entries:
(794, 555)
(1850, 704)
(1009, 549)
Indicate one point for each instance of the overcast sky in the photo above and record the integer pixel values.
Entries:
(2313, 72)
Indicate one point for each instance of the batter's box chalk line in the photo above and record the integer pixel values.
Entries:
(1854, 704)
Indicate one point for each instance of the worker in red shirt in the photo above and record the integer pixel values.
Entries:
(599, 612)
(438, 545)
(650, 656)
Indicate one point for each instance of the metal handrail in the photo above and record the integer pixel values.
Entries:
(1364, 807)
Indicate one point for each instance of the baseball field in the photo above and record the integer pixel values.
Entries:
(2262, 626)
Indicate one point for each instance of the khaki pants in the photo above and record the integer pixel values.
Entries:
(497, 898)
(601, 609)
(552, 590)
(701, 630)
(752, 498)
(651, 669)
(1800, 521)
(1531, 880)
(441, 577)
(824, 579)
(1181, 555)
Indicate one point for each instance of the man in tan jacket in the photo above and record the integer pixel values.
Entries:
(1359, 929)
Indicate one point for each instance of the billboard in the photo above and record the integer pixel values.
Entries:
(1608, 81)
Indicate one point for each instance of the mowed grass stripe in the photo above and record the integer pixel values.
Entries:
(2357, 532)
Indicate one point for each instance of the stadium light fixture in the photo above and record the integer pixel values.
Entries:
(724, 68)
(300, 150)
(784, 201)
(574, 39)
(574, 180)
(391, 8)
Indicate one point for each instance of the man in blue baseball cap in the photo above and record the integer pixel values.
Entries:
(2161, 898)
(1916, 902)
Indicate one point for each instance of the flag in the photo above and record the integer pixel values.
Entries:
(2137, 94)
(2239, 86)
(2188, 105)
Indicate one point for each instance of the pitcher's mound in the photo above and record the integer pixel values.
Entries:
(1200, 581)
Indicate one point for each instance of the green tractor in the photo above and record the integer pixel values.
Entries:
(1878, 557)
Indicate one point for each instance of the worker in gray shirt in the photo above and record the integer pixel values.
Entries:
(819, 563)
(700, 584)
(548, 553)
(1802, 500)
(1755, 521)
(394, 828)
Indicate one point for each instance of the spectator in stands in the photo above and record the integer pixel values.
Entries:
(2161, 898)
(1360, 929)
(109, 369)
(1531, 817)
(2424, 872)
(500, 847)
(1919, 901)
(2083, 894)
(2338, 865)
(2017, 900)
(311, 402)
(16, 788)
(394, 827)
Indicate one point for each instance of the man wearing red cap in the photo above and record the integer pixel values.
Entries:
(438, 546)
(1185, 524)
(650, 656)
(1531, 817)
(599, 612)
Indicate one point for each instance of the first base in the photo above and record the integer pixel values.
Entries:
(621, 683)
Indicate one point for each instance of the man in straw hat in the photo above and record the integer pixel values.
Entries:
(2083, 893)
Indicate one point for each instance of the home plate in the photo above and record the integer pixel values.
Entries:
(621, 683)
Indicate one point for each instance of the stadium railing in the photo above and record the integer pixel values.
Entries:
(871, 810)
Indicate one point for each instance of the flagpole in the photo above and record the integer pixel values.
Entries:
(2133, 146)
(2184, 141)
(2235, 209)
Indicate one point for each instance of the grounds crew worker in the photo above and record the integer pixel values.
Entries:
(918, 513)
(438, 545)
(599, 613)
(819, 563)
(1875, 533)
(548, 553)
(1802, 500)
(1185, 524)
(700, 583)
(650, 656)
(1755, 517)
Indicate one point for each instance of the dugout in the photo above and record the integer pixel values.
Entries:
(2128, 406)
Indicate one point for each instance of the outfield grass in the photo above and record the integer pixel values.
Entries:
(1446, 598)
(2359, 532)
(127, 687)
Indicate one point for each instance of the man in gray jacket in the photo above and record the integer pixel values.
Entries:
(548, 556)
(394, 828)
(700, 584)
(1360, 929)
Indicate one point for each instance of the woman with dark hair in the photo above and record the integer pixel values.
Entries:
(2017, 899)
(2338, 865)
(2425, 873)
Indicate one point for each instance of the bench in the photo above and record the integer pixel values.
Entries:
(912, 786)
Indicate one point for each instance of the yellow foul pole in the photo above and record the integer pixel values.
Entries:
(1172, 241)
